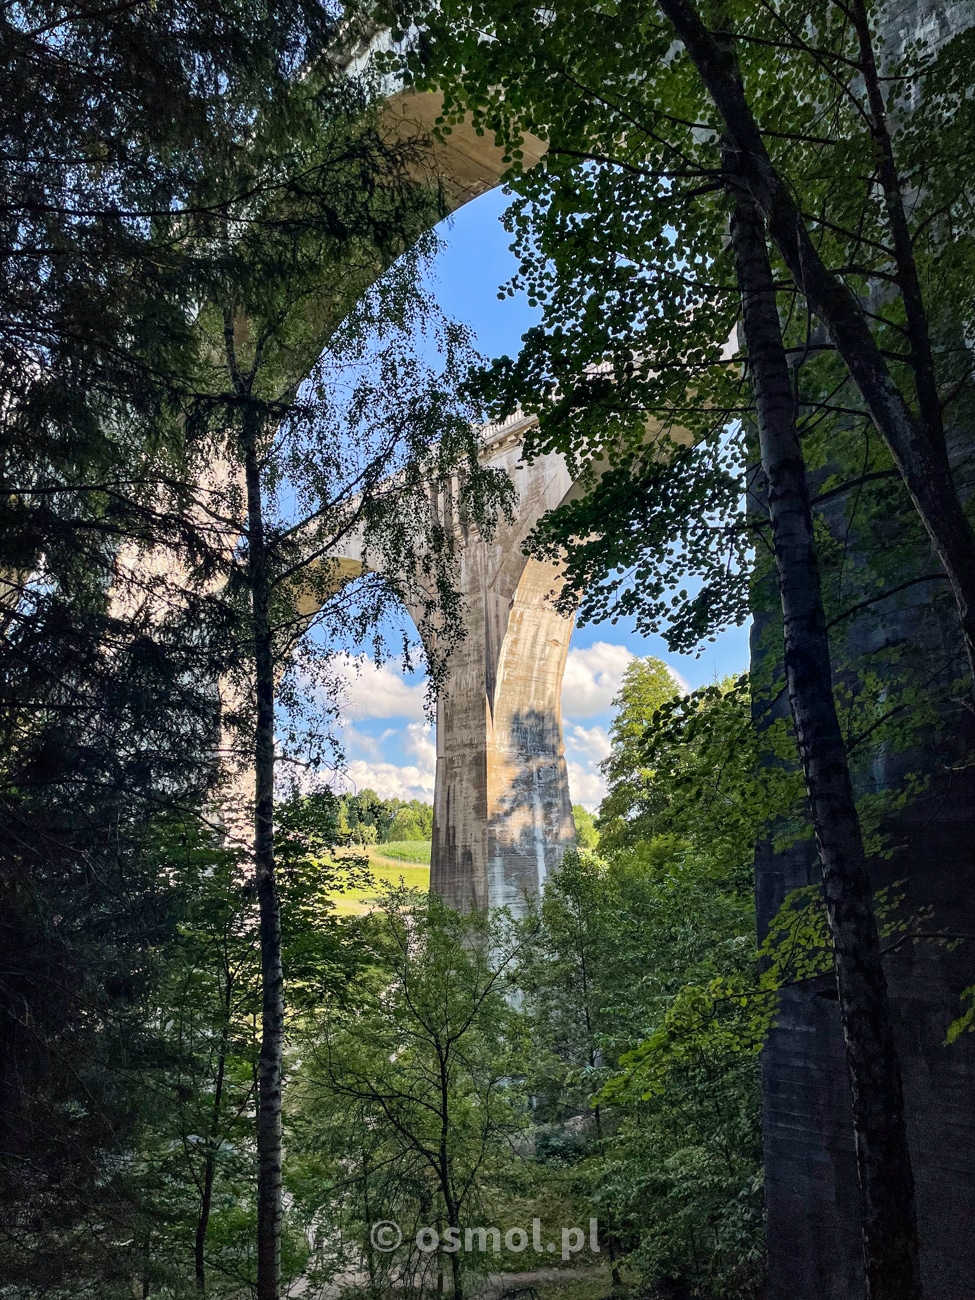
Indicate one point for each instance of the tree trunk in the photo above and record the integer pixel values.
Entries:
(918, 329)
(206, 1196)
(269, 1204)
(209, 1168)
(922, 465)
(451, 1208)
(456, 1272)
(889, 1228)
(367, 1214)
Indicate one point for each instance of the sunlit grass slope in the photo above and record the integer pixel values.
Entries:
(406, 860)
(417, 851)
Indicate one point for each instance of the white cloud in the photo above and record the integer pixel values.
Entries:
(592, 678)
(589, 744)
(421, 742)
(391, 780)
(586, 786)
(585, 748)
(358, 741)
(387, 779)
(683, 685)
(377, 692)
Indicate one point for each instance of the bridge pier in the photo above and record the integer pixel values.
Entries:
(502, 811)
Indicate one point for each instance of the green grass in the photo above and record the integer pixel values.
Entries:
(388, 870)
(404, 851)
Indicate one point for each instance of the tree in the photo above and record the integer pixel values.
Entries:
(620, 987)
(670, 1158)
(366, 809)
(347, 480)
(413, 821)
(127, 137)
(195, 1136)
(625, 109)
(189, 1186)
(647, 685)
(360, 462)
(587, 837)
(916, 442)
(426, 1065)
(692, 770)
(179, 288)
(889, 1225)
(107, 722)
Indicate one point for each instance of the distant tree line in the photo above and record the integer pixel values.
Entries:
(365, 818)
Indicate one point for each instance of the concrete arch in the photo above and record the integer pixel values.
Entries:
(502, 814)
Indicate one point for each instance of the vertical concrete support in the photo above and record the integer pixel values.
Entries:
(502, 813)
(529, 822)
(811, 1189)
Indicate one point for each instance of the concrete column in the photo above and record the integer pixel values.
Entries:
(502, 812)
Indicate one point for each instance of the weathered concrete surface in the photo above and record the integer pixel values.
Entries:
(502, 813)
(463, 164)
(812, 1193)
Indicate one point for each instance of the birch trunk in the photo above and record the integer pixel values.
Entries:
(889, 1229)
(921, 462)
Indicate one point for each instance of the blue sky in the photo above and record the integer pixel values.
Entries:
(389, 747)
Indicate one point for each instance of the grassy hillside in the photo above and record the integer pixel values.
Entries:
(406, 860)
(404, 851)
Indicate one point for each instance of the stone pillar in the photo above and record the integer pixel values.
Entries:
(812, 1193)
(529, 811)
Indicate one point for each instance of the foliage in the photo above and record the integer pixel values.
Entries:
(184, 235)
(409, 1095)
(97, 734)
(633, 371)
(672, 1172)
(365, 818)
(965, 1023)
(362, 810)
(155, 161)
(413, 821)
(587, 837)
(620, 234)
(692, 768)
(185, 1192)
